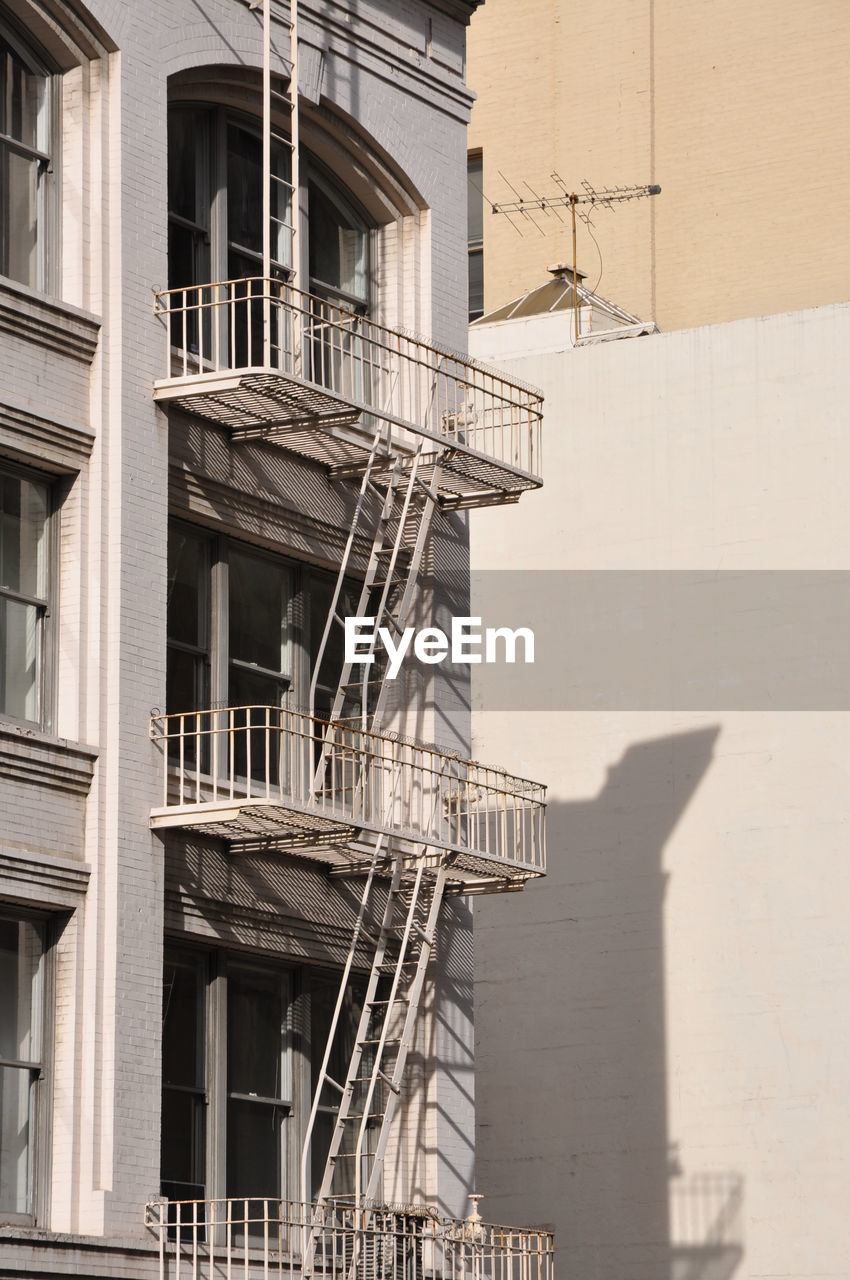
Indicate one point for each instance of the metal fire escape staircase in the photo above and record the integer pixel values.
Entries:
(402, 938)
(416, 443)
(398, 916)
(405, 504)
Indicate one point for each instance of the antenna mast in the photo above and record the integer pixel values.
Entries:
(565, 198)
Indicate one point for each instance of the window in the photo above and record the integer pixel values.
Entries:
(324, 989)
(215, 210)
(225, 1063)
(254, 596)
(22, 1064)
(26, 164)
(475, 233)
(339, 264)
(244, 627)
(24, 554)
(229, 1123)
(184, 1078)
(215, 199)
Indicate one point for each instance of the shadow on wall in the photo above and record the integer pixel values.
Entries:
(570, 1036)
(706, 1240)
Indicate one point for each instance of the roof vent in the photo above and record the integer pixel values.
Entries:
(564, 271)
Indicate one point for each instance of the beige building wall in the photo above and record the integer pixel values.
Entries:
(738, 109)
(661, 1023)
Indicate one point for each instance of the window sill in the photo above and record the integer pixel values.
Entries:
(36, 317)
(33, 1249)
(33, 756)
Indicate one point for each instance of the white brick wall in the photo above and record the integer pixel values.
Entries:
(394, 97)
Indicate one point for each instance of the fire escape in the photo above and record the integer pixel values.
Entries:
(417, 429)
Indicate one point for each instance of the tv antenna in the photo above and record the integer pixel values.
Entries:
(564, 198)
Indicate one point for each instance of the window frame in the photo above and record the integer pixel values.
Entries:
(303, 1050)
(47, 629)
(40, 1142)
(217, 966)
(214, 654)
(315, 175)
(48, 245)
(219, 119)
(474, 243)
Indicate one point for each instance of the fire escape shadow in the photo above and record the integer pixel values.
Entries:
(571, 1039)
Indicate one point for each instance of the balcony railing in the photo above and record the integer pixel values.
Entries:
(203, 1239)
(263, 358)
(251, 768)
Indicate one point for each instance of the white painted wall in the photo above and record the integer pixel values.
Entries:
(672, 1003)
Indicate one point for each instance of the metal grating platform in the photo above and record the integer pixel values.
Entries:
(251, 820)
(256, 402)
(262, 404)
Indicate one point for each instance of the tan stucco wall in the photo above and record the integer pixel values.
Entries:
(738, 109)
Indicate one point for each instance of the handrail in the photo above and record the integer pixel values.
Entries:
(269, 1237)
(422, 387)
(371, 780)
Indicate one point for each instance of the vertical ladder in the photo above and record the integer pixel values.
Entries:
(403, 939)
(406, 505)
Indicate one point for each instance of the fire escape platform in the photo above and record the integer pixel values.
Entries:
(250, 825)
(254, 403)
(266, 362)
(271, 778)
(303, 418)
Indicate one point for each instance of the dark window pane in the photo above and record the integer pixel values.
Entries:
(21, 214)
(321, 590)
(245, 200)
(256, 1027)
(20, 660)
(183, 1145)
(244, 189)
(323, 998)
(254, 1153)
(25, 116)
(21, 945)
(476, 283)
(188, 265)
(183, 1023)
(249, 689)
(187, 683)
(188, 574)
(474, 199)
(23, 100)
(188, 153)
(338, 245)
(183, 1064)
(260, 598)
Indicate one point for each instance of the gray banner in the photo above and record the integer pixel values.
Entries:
(690, 640)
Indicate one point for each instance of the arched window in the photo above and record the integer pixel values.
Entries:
(26, 164)
(215, 209)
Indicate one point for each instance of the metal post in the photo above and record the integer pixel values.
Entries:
(573, 202)
(267, 181)
(294, 130)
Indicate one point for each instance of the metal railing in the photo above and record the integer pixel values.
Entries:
(267, 325)
(369, 780)
(202, 1239)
